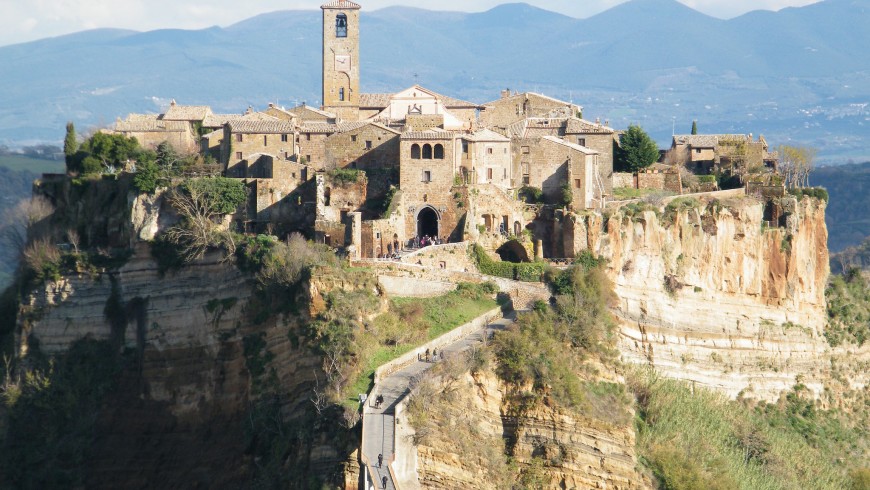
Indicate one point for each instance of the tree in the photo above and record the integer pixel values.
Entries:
(637, 150)
(795, 165)
(25, 222)
(148, 174)
(694, 127)
(70, 146)
(201, 203)
(167, 157)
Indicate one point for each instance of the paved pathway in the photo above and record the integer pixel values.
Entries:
(379, 423)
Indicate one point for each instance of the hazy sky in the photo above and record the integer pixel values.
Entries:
(27, 20)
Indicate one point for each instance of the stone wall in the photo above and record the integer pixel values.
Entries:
(337, 198)
(624, 179)
(370, 146)
(436, 193)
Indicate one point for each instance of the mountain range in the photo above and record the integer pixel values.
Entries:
(800, 75)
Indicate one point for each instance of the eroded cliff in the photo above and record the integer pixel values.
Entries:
(212, 380)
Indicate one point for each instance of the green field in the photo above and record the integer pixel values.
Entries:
(37, 166)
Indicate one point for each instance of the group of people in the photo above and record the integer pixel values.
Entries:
(431, 356)
(426, 240)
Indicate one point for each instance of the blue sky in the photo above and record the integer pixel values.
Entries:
(28, 20)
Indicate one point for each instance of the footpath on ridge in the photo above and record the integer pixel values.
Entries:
(379, 424)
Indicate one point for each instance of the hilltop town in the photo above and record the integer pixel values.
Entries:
(374, 174)
(408, 290)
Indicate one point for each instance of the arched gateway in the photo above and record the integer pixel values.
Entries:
(428, 222)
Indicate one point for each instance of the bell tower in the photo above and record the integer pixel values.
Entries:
(341, 58)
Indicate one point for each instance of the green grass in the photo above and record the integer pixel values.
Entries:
(37, 166)
(625, 193)
(703, 440)
(440, 315)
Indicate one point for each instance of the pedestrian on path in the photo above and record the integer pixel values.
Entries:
(434, 355)
(384, 481)
(380, 460)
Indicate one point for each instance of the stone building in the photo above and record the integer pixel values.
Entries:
(510, 108)
(594, 136)
(486, 159)
(151, 130)
(550, 163)
(244, 139)
(426, 177)
(708, 153)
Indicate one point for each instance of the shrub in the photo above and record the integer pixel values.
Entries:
(527, 272)
(531, 195)
(343, 176)
(147, 176)
(813, 192)
(219, 194)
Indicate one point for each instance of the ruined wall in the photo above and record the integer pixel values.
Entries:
(370, 146)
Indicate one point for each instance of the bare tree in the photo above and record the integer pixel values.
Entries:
(795, 164)
(199, 228)
(21, 223)
(74, 239)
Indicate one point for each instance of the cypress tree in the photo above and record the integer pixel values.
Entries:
(70, 145)
(694, 127)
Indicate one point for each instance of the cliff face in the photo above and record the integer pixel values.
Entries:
(707, 293)
(206, 363)
(551, 447)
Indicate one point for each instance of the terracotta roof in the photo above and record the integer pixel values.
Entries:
(486, 135)
(432, 134)
(186, 112)
(581, 126)
(707, 140)
(302, 108)
(218, 120)
(140, 123)
(261, 127)
(329, 128)
(376, 101)
(582, 149)
(533, 94)
(340, 4)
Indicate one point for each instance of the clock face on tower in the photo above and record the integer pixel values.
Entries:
(342, 63)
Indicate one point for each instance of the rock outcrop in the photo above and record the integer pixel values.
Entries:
(709, 294)
(206, 360)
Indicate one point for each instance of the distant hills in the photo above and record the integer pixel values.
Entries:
(800, 73)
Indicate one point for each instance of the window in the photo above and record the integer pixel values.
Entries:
(504, 173)
(578, 183)
(427, 152)
(238, 155)
(368, 145)
(307, 136)
(308, 158)
(341, 94)
(697, 150)
(427, 176)
(415, 151)
(489, 174)
(464, 146)
(265, 140)
(526, 179)
(581, 141)
(341, 25)
(526, 150)
(439, 152)
(327, 197)
(283, 138)
(239, 137)
(353, 138)
(489, 151)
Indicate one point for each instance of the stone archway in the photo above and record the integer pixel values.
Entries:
(428, 222)
(513, 251)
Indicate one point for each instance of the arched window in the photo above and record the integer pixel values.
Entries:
(427, 151)
(439, 152)
(341, 25)
(415, 151)
(327, 197)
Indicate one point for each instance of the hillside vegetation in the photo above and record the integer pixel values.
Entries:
(846, 216)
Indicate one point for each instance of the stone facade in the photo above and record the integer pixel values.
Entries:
(510, 108)
(426, 178)
(705, 153)
(486, 159)
(548, 163)
(372, 146)
(151, 130)
(244, 141)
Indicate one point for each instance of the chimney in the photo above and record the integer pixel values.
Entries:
(597, 120)
(505, 93)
